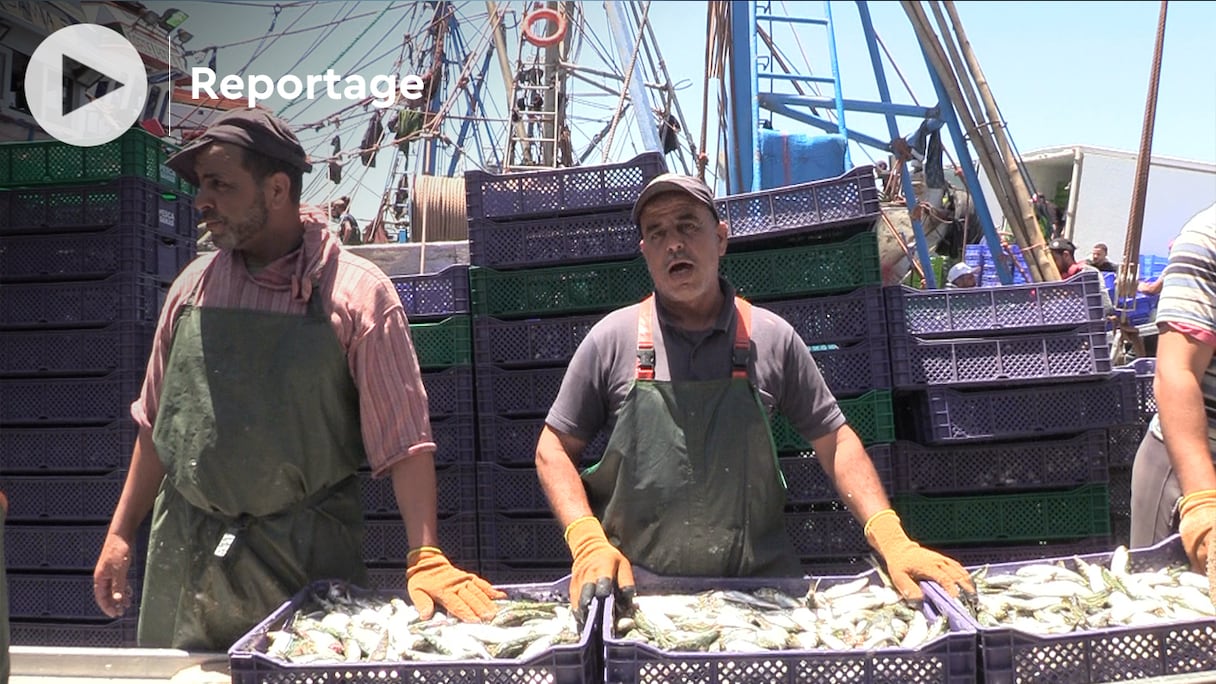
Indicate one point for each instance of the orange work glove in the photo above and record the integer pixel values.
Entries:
(431, 578)
(1197, 513)
(909, 562)
(3, 506)
(599, 567)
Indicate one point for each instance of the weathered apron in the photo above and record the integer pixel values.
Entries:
(689, 484)
(259, 433)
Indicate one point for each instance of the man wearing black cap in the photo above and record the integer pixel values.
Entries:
(689, 484)
(1063, 253)
(281, 363)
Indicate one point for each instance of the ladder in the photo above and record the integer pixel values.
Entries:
(534, 138)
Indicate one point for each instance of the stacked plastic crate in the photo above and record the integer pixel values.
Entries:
(437, 305)
(979, 257)
(1124, 442)
(551, 253)
(1008, 398)
(808, 252)
(90, 238)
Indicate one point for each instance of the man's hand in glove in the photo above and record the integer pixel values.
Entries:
(599, 567)
(1197, 512)
(909, 562)
(432, 579)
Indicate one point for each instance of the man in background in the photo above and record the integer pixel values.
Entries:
(1097, 259)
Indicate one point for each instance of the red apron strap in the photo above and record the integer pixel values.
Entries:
(740, 354)
(743, 338)
(645, 369)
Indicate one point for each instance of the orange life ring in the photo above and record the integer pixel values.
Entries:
(546, 41)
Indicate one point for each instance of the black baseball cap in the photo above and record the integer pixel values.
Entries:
(675, 182)
(1062, 245)
(253, 129)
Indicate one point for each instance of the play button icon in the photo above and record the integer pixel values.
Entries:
(95, 48)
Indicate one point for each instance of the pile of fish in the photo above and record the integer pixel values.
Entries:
(1050, 598)
(339, 627)
(847, 616)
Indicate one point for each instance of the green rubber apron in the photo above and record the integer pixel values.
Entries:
(689, 484)
(259, 432)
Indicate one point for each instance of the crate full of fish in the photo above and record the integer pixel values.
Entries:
(763, 630)
(331, 631)
(1112, 616)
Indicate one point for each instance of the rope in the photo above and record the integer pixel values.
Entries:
(439, 212)
(340, 55)
(616, 116)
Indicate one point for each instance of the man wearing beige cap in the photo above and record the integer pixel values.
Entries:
(689, 484)
(281, 363)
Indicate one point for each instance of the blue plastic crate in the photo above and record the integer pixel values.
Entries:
(1113, 654)
(523, 572)
(1122, 443)
(431, 296)
(511, 440)
(565, 664)
(385, 542)
(1004, 466)
(553, 241)
(1146, 399)
(57, 596)
(978, 256)
(985, 554)
(560, 192)
(826, 534)
(522, 392)
(1152, 266)
(948, 659)
(950, 312)
(72, 449)
(1140, 308)
(531, 342)
(449, 392)
(123, 298)
(86, 351)
(1025, 358)
(803, 210)
(69, 401)
(835, 319)
(455, 491)
(856, 369)
(124, 201)
(128, 248)
(944, 415)
(62, 498)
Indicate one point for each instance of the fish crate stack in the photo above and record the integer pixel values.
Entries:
(1007, 401)
(808, 253)
(551, 252)
(437, 306)
(90, 239)
(1124, 442)
(980, 258)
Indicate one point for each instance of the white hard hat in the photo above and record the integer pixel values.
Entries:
(959, 270)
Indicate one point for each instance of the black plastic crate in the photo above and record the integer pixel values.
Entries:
(522, 392)
(124, 298)
(948, 659)
(991, 554)
(455, 491)
(802, 210)
(510, 440)
(942, 415)
(85, 351)
(449, 392)
(604, 236)
(523, 572)
(826, 534)
(455, 439)
(63, 498)
(806, 483)
(103, 633)
(510, 491)
(560, 192)
(534, 538)
(67, 449)
(433, 296)
(855, 369)
(1123, 443)
(61, 548)
(69, 401)
(565, 664)
(1025, 358)
(531, 342)
(126, 201)
(950, 312)
(835, 319)
(386, 542)
(85, 256)
(1001, 466)
(1146, 400)
(51, 162)
(57, 596)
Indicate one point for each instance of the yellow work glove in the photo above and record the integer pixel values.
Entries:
(598, 568)
(909, 562)
(431, 579)
(1197, 512)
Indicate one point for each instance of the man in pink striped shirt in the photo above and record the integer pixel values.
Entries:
(281, 363)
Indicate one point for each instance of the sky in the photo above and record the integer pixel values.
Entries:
(1062, 73)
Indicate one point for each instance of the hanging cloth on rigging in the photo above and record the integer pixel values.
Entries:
(371, 140)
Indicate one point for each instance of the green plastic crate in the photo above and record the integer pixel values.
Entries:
(1032, 516)
(50, 162)
(809, 269)
(871, 416)
(443, 344)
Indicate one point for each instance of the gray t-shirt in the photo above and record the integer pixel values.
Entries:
(605, 365)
